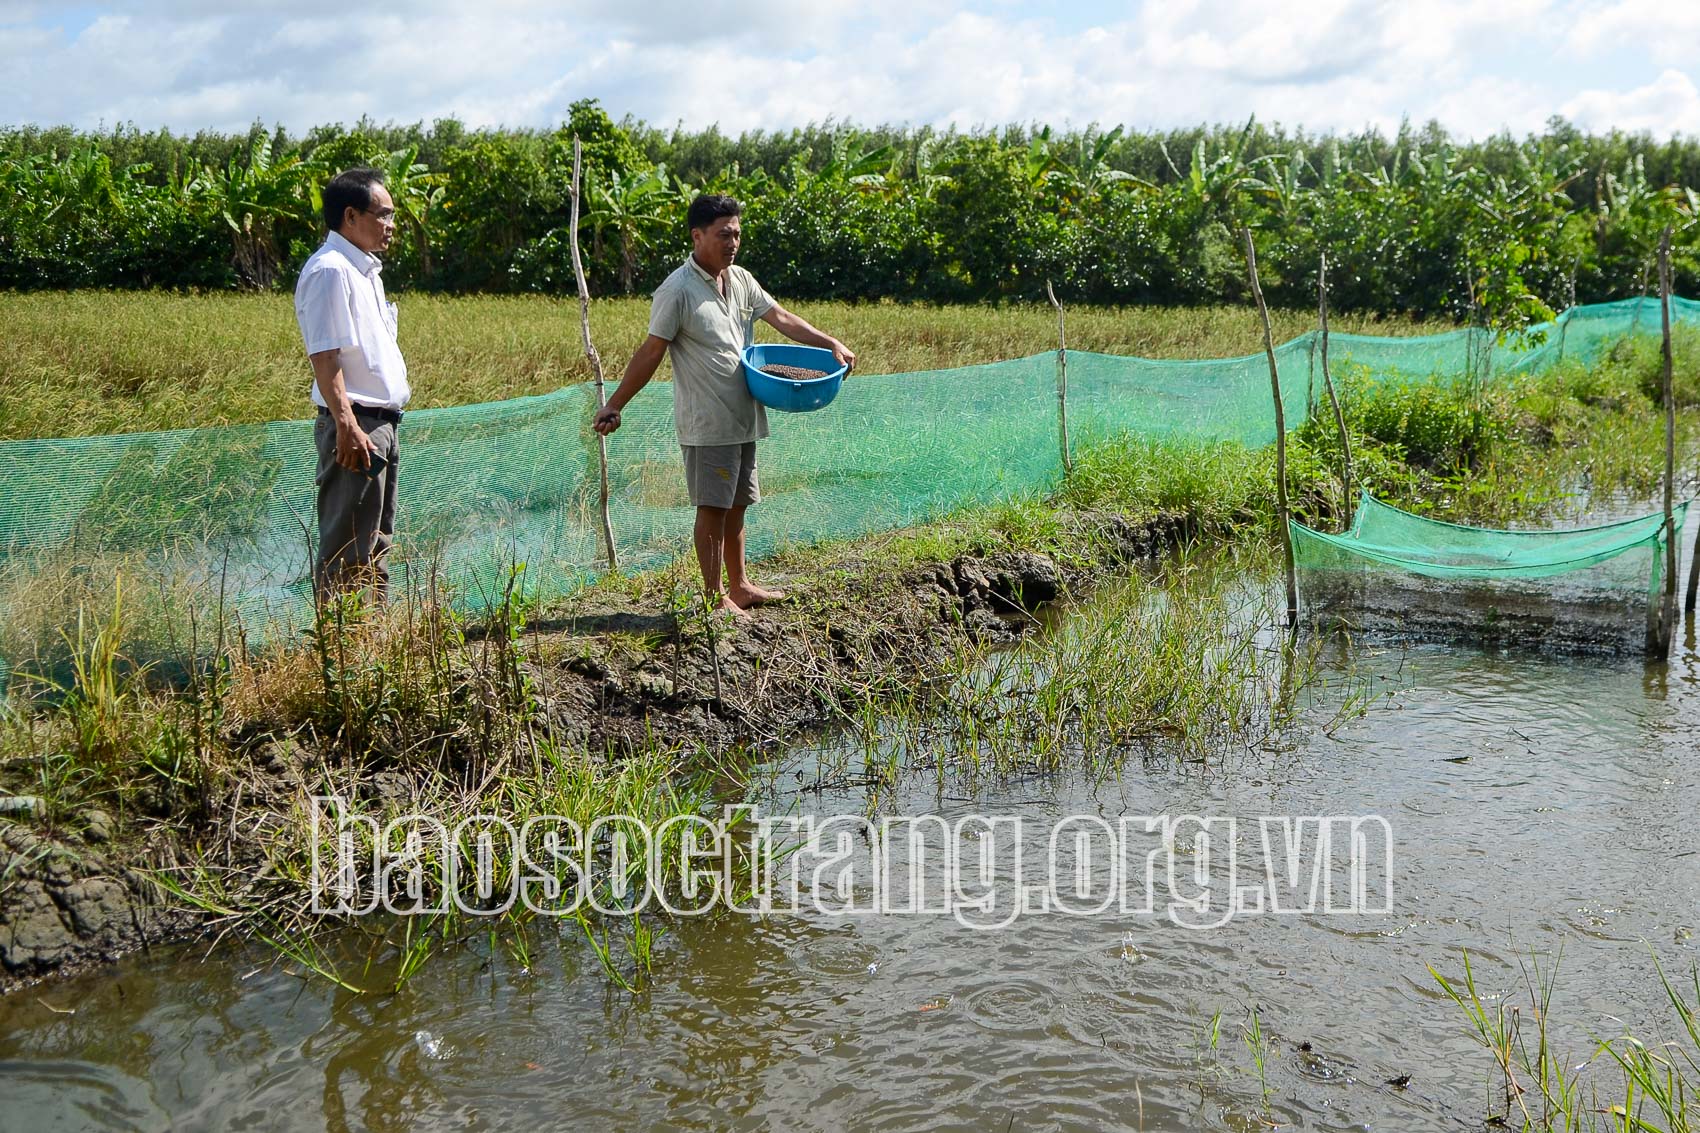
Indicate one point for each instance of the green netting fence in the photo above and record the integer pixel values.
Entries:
(1588, 588)
(221, 519)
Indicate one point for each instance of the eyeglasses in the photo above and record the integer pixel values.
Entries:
(383, 216)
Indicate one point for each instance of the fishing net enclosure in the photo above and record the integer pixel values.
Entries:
(1588, 589)
(214, 526)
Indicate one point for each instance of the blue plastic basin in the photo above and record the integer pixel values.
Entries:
(783, 393)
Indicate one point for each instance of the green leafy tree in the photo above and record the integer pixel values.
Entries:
(840, 240)
(607, 147)
(499, 194)
(996, 238)
(1500, 230)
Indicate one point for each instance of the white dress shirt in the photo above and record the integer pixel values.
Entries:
(340, 305)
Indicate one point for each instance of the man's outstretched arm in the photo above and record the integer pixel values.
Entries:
(798, 330)
(639, 370)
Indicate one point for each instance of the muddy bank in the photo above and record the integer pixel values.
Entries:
(607, 676)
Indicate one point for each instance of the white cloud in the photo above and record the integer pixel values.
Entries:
(772, 64)
(13, 12)
(1488, 104)
(1668, 32)
(19, 43)
(1670, 103)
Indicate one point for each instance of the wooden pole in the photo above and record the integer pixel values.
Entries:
(1310, 377)
(1694, 559)
(1062, 381)
(1564, 319)
(1640, 294)
(1693, 575)
(1333, 398)
(1659, 635)
(1280, 432)
(595, 358)
(1670, 442)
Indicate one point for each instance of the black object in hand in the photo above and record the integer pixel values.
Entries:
(376, 465)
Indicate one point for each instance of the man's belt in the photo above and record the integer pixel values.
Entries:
(392, 416)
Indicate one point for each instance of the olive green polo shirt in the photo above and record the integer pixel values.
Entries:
(706, 334)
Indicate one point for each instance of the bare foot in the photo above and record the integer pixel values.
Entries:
(749, 595)
(727, 606)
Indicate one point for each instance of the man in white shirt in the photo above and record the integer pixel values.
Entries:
(704, 315)
(359, 383)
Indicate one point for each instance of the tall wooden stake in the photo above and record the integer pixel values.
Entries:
(1659, 633)
(1640, 294)
(1280, 432)
(1670, 414)
(1062, 381)
(595, 358)
(1328, 383)
(1564, 319)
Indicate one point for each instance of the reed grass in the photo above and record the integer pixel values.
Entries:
(1538, 1087)
(1178, 665)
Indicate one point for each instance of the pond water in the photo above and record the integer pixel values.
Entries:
(1533, 804)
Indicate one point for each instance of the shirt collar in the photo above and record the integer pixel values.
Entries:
(366, 262)
(702, 273)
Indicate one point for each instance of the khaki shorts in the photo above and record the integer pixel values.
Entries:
(722, 476)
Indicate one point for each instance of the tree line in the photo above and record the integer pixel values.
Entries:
(1502, 230)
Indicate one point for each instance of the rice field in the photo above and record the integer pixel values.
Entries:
(91, 362)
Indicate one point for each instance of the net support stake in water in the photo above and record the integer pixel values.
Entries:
(1062, 382)
(595, 358)
(1669, 361)
(1333, 398)
(1280, 431)
(1663, 611)
(1564, 318)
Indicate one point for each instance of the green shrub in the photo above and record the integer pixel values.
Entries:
(1436, 425)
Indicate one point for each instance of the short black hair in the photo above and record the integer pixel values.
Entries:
(352, 188)
(710, 207)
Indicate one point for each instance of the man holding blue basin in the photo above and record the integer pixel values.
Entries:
(704, 313)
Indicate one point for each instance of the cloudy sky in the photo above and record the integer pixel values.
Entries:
(1476, 65)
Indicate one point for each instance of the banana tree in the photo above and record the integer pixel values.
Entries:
(635, 209)
(1531, 217)
(415, 190)
(1218, 187)
(251, 198)
(1090, 173)
(731, 180)
(24, 189)
(1630, 214)
(930, 154)
(1284, 186)
(82, 184)
(1040, 164)
(25, 210)
(855, 165)
(847, 163)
